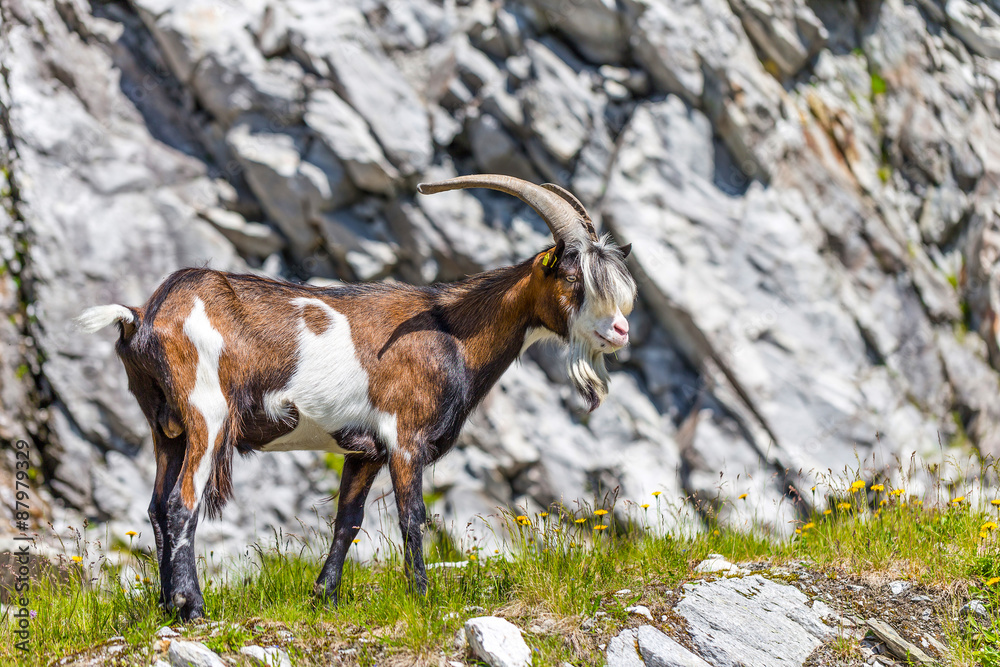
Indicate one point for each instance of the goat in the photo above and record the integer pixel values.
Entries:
(382, 373)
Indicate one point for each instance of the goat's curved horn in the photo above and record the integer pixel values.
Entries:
(561, 211)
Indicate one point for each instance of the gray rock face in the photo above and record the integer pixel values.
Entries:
(647, 646)
(977, 24)
(346, 134)
(594, 25)
(789, 33)
(623, 650)
(810, 192)
(338, 43)
(497, 642)
(556, 103)
(751, 621)
(659, 650)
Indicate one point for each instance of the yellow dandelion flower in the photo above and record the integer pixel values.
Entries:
(715, 532)
(656, 493)
(644, 506)
(993, 581)
(601, 527)
(989, 525)
(808, 526)
(543, 514)
(827, 512)
(983, 535)
(600, 512)
(472, 557)
(572, 544)
(580, 520)
(742, 496)
(958, 500)
(76, 559)
(812, 488)
(355, 541)
(843, 506)
(131, 533)
(146, 580)
(995, 502)
(897, 492)
(884, 501)
(137, 577)
(798, 531)
(878, 487)
(496, 551)
(523, 520)
(858, 485)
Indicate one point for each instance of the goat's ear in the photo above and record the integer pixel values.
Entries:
(551, 258)
(626, 249)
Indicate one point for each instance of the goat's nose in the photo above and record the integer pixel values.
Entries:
(621, 326)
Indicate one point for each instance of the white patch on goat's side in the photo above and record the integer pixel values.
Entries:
(537, 335)
(206, 397)
(276, 407)
(387, 430)
(94, 319)
(329, 389)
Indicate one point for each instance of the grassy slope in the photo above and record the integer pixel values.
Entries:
(560, 572)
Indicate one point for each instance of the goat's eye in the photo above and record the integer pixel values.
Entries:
(571, 279)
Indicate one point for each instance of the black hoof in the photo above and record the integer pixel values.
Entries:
(188, 607)
(326, 592)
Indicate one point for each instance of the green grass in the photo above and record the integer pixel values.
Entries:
(556, 571)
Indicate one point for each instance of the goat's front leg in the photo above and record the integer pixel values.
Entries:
(407, 469)
(355, 483)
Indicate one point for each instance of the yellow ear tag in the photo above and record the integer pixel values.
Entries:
(545, 260)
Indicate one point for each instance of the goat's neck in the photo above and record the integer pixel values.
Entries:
(491, 314)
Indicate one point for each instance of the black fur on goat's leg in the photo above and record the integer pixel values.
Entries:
(407, 477)
(185, 593)
(355, 483)
(169, 459)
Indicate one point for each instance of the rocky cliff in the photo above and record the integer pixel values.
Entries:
(810, 187)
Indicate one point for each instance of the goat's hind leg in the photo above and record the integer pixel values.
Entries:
(182, 521)
(169, 453)
(182, 506)
(355, 483)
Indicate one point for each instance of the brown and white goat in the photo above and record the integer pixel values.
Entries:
(382, 373)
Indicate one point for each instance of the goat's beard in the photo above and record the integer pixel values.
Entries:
(588, 373)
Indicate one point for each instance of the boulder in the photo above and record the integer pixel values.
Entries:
(497, 642)
(751, 622)
(659, 650)
(192, 654)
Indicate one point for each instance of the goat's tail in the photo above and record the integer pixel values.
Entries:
(96, 318)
